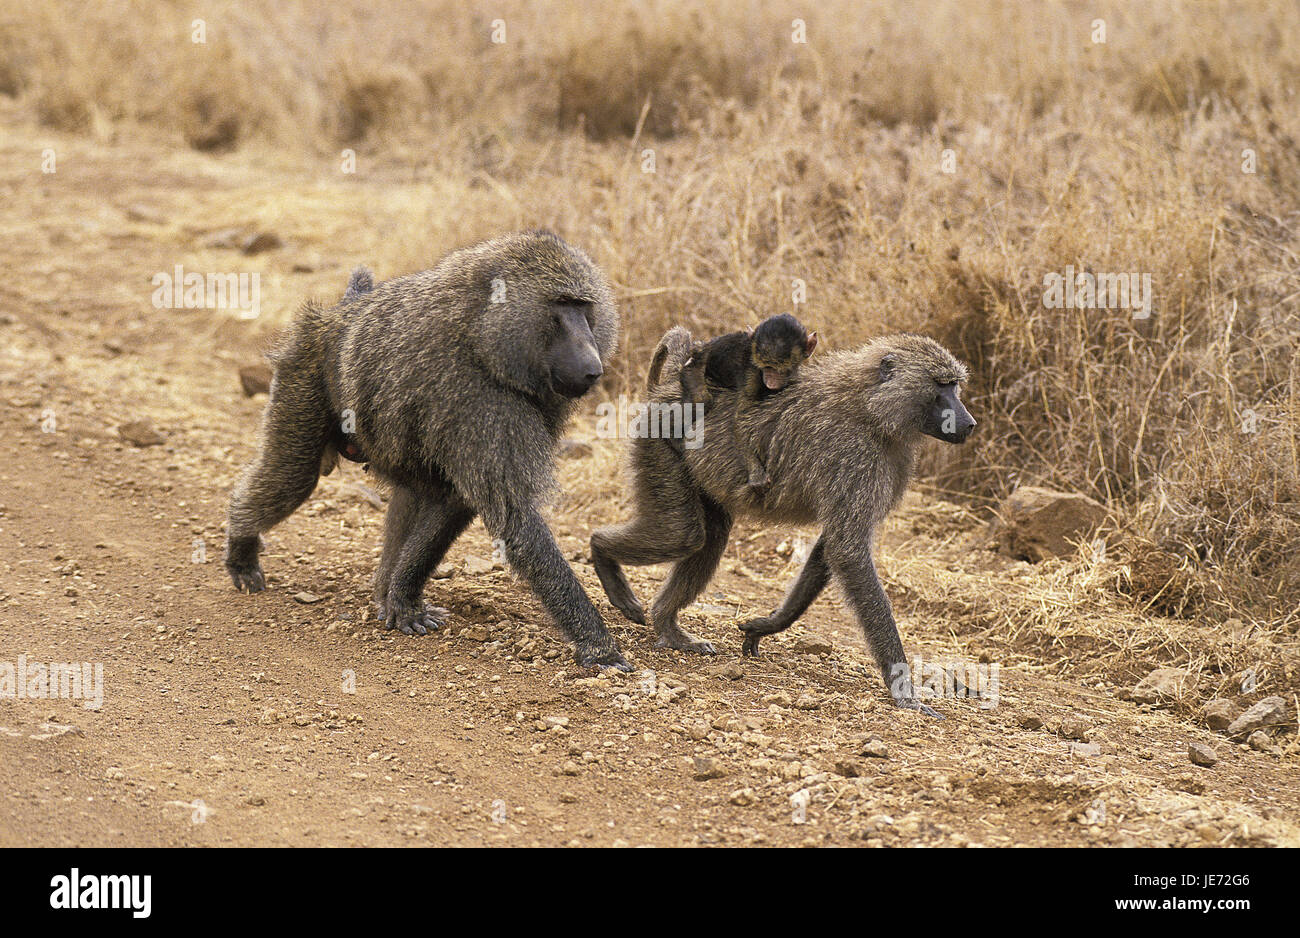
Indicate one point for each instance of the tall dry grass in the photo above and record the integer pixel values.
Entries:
(775, 160)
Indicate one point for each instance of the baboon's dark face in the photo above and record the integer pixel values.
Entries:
(779, 348)
(572, 359)
(947, 418)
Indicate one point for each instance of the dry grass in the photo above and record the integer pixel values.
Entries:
(822, 161)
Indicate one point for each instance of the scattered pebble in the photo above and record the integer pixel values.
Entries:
(1201, 754)
(140, 433)
(875, 749)
(744, 797)
(706, 768)
(1219, 714)
(1268, 712)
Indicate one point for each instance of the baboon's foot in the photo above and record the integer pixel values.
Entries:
(600, 655)
(617, 589)
(911, 703)
(242, 564)
(416, 618)
(684, 641)
(248, 578)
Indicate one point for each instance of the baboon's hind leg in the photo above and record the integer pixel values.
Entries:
(285, 472)
(688, 578)
(642, 540)
(431, 527)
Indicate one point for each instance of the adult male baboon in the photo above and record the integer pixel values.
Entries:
(840, 447)
(454, 385)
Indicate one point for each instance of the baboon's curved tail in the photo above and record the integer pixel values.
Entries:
(671, 351)
(361, 281)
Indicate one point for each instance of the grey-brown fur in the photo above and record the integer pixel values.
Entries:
(840, 447)
(757, 363)
(452, 398)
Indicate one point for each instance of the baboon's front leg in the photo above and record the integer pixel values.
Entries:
(807, 587)
(688, 577)
(852, 566)
(430, 525)
(534, 555)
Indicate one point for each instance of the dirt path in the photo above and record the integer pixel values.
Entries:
(231, 719)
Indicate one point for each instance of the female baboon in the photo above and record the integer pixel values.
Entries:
(840, 446)
(454, 385)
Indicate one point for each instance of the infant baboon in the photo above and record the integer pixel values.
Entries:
(454, 385)
(840, 446)
(756, 363)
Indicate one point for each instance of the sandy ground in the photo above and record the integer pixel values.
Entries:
(265, 720)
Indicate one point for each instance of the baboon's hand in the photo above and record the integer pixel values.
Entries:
(911, 703)
(248, 578)
(755, 629)
(601, 657)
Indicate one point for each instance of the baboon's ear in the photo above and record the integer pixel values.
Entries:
(887, 367)
(810, 344)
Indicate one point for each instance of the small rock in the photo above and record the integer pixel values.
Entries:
(1030, 721)
(255, 379)
(306, 598)
(1188, 783)
(568, 797)
(731, 671)
(875, 749)
(847, 768)
(261, 241)
(1201, 754)
(706, 768)
(1219, 714)
(477, 566)
(1162, 685)
(1085, 750)
(140, 433)
(476, 633)
(1268, 712)
(444, 571)
(255, 800)
(807, 701)
(141, 212)
(1072, 727)
(812, 646)
(1259, 741)
(743, 797)
(570, 768)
